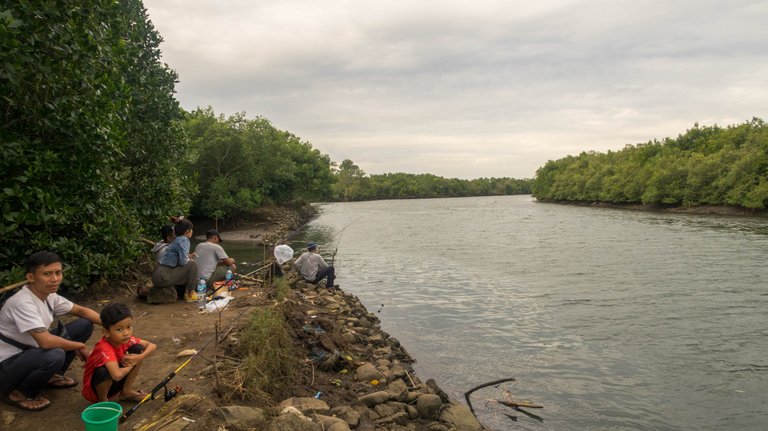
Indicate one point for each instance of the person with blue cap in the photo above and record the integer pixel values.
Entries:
(313, 267)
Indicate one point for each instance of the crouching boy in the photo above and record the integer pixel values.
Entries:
(114, 363)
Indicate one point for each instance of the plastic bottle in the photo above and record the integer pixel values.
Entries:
(229, 275)
(201, 290)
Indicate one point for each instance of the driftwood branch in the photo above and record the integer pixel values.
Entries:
(484, 385)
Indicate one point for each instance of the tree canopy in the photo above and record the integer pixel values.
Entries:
(241, 164)
(704, 166)
(352, 184)
(89, 130)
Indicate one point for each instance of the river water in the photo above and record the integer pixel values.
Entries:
(612, 319)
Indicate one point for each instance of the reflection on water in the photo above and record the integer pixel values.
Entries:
(612, 319)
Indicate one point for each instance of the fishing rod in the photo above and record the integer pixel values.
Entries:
(163, 384)
(169, 394)
(280, 240)
(333, 256)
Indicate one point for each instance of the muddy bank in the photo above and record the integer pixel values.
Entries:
(701, 209)
(267, 225)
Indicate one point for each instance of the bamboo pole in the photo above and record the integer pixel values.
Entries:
(13, 286)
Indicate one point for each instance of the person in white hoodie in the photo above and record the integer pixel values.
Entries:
(313, 267)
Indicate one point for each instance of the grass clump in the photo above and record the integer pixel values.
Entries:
(281, 288)
(268, 357)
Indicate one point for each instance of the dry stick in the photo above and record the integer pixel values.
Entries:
(495, 382)
(13, 286)
(409, 378)
(254, 279)
(215, 358)
(147, 241)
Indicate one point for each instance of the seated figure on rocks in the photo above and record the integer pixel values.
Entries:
(175, 276)
(313, 267)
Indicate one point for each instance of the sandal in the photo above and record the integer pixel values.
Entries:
(20, 404)
(61, 382)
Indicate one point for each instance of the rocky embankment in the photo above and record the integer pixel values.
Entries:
(354, 375)
(361, 378)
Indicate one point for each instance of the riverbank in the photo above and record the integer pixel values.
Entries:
(699, 209)
(349, 373)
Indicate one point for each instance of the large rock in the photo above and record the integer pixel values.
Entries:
(332, 423)
(291, 422)
(397, 418)
(347, 414)
(460, 415)
(367, 372)
(383, 410)
(161, 295)
(306, 405)
(374, 399)
(398, 391)
(429, 406)
(242, 416)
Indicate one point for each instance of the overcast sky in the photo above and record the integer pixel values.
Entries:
(470, 88)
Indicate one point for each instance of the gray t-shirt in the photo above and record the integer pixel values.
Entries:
(208, 256)
(24, 312)
(308, 264)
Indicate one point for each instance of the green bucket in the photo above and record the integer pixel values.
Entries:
(102, 416)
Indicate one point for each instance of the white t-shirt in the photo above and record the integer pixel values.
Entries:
(24, 312)
(208, 256)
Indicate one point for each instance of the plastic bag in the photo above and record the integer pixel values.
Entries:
(283, 253)
(217, 304)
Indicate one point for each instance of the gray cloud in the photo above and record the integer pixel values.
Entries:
(470, 89)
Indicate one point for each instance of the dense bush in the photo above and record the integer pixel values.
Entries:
(704, 166)
(242, 163)
(89, 129)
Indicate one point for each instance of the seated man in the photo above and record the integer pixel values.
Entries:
(313, 268)
(211, 254)
(31, 357)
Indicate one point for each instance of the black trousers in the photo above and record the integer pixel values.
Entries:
(31, 369)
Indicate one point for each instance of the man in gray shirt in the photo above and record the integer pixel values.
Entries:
(211, 254)
(313, 268)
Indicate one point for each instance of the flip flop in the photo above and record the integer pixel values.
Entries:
(61, 382)
(19, 404)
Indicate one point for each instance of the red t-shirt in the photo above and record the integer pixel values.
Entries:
(103, 352)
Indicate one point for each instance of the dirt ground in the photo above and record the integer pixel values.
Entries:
(173, 328)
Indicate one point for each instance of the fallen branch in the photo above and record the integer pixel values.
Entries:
(484, 385)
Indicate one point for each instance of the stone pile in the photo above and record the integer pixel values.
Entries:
(376, 388)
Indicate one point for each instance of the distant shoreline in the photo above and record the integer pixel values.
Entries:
(697, 210)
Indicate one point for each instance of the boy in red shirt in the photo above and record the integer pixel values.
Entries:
(114, 363)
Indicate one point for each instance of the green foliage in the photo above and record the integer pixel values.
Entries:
(704, 166)
(241, 164)
(87, 122)
(352, 184)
